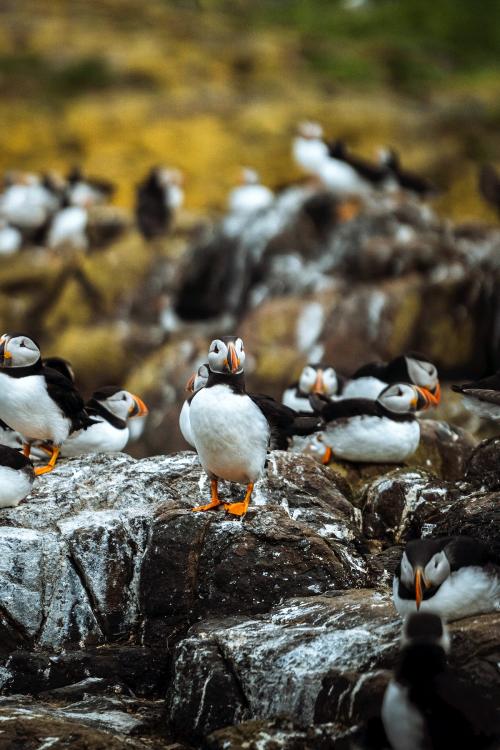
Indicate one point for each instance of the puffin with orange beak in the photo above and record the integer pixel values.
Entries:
(454, 577)
(233, 430)
(371, 379)
(110, 408)
(38, 402)
(319, 379)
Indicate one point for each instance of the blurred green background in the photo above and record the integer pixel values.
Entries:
(208, 85)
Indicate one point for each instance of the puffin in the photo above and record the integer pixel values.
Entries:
(380, 431)
(27, 204)
(314, 378)
(86, 192)
(69, 228)
(11, 239)
(196, 381)
(250, 196)
(489, 186)
(427, 706)
(453, 576)
(158, 197)
(368, 381)
(482, 397)
(36, 401)
(376, 174)
(233, 430)
(61, 365)
(16, 477)
(110, 408)
(390, 160)
(309, 150)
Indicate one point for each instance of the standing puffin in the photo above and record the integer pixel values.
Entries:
(196, 381)
(371, 379)
(454, 577)
(250, 196)
(232, 430)
(16, 477)
(85, 191)
(381, 431)
(308, 148)
(427, 706)
(482, 397)
(406, 180)
(36, 401)
(321, 379)
(375, 174)
(110, 409)
(158, 197)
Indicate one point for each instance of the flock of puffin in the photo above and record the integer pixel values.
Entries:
(368, 417)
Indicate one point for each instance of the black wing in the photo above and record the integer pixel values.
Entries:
(13, 458)
(349, 407)
(283, 421)
(63, 392)
(371, 369)
(486, 389)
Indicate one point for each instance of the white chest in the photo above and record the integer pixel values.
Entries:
(373, 439)
(299, 403)
(26, 406)
(230, 434)
(185, 424)
(15, 485)
(341, 177)
(365, 387)
(99, 438)
(403, 724)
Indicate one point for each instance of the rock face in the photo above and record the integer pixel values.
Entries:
(127, 619)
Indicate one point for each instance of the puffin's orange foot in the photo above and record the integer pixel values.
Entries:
(43, 469)
(327, 456)
(208, 506)
(237, 509)
(53, 459)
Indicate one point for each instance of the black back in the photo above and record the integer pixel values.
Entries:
(371, 172)
(61, 365)
(63, 392)
(332, 411)
(151, 210)
(14, 459)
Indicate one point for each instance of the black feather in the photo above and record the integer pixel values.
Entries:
(63, 392)
(13, 458)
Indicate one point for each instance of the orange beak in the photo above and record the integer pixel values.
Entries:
(190, 383)
(434, 396)
(232, 362)
(139, 409)
(319, 384)
(421, 400)
(4, 354)
(418, 587)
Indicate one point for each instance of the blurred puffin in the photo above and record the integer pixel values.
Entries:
(320, 379)
(16, 477)
(482, 397)
(110, 409)
(308, 147)
(86, 192)
(411, 181)
(36, 401)
(158, 197)
(383, 431)
(453, 576)
(232, 430)
(27, 203)
(11, 239)
(372, 378)
(61, 365)
(250, 196)
(196, 381)
(375, 174)
(69, 228)
(426, 705)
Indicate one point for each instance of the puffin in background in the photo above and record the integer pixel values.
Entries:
(454, 577)
(16, 477)
(250, 196)
(11, 239)
(158, 198)
(110, 408)
(197, 380)
(36, 401)
(390, 160)
(375, 174)
(371, 379)
(86, 192)
(380, 431)
(482, 397)
(233, 430)
(309, 150)
(426, 705)
(320, 379)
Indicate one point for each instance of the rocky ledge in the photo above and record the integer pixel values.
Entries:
(126, 621)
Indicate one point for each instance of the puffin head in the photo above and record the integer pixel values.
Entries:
(427, 629)
(424, 566)
(424, 374)
(318, 379)
(403, 398)
(311, 131)
(18, 350)
(198, 379)
(226, 355)
(120, 402)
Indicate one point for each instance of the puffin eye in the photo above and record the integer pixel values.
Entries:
(216, 349)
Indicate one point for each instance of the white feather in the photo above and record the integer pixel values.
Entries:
(372, 439)
(102, 437)
(341, 178)
(185, 424)
(11, 240)
(364, 387)
(403, 723)
(68, 227)
(15, 485)
(467, 591)
(299, 403)
(482, 408)
(26, 406)
(230, 434)
(247, 199)
(309, 153)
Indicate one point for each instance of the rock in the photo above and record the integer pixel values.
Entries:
(482, 467)
(279, 733)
